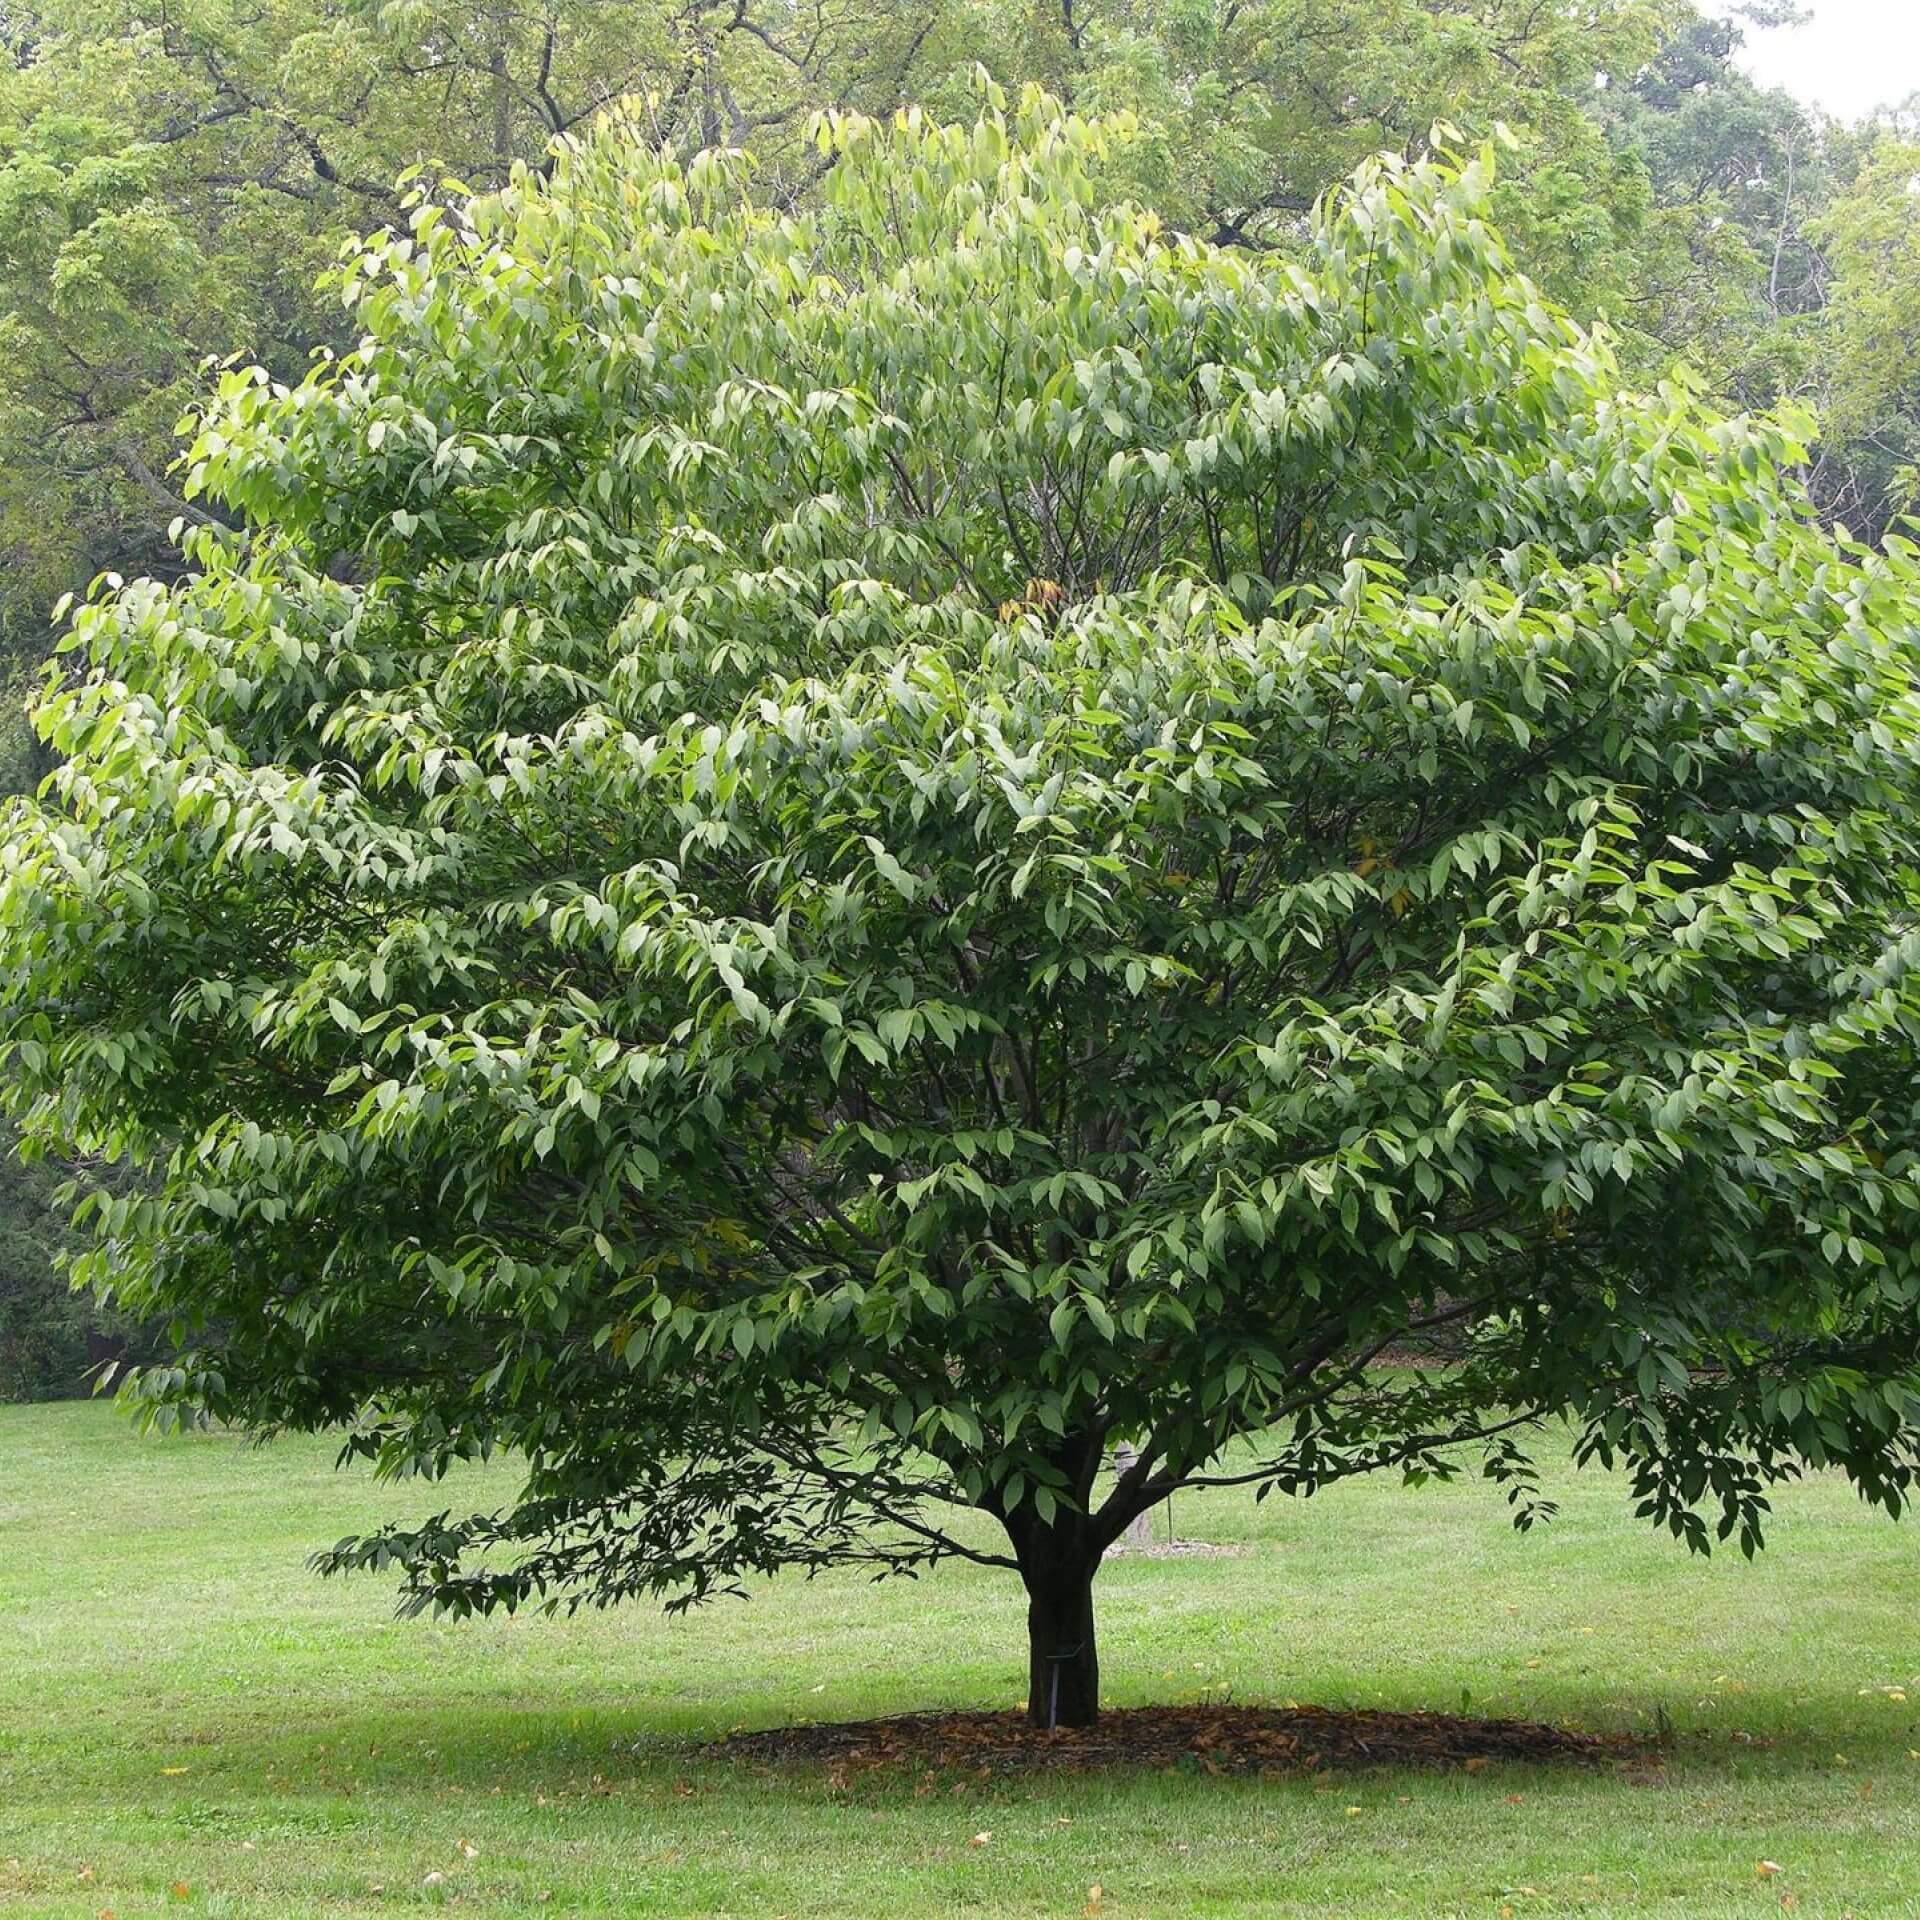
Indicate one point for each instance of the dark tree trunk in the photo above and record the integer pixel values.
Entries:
(1063, 1665)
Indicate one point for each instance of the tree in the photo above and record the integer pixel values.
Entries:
(171, 186)
(1728, 275)
(811, 865)
(53, 1341)
(1871, 233)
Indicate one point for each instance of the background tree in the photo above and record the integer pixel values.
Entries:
(1256, 108)
(810, 865)
(1870, 235)
(171, 187)
(53, 1342)
(43, 1326)
(1767, 259)
(1734, 172)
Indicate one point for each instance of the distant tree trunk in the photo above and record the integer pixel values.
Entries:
(1140, 1528)
(105, 1350)
(1063, 1662)
(502, 95)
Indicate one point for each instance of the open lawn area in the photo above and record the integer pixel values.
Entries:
(191, 1723)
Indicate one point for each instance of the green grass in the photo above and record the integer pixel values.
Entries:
(180, 1702)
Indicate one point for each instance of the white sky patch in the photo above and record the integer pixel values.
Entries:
(1850, 57)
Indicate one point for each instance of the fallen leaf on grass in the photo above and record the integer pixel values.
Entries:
(469, 1849)
(173, 1772)
(1767, 1869)
(434, 1880)
(1091, 1910)
(980, 1839)
(180, 1890)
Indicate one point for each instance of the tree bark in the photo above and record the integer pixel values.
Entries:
(1063, 1663)
(502, 95)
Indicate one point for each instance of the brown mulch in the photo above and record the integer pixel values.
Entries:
(1210, 1739)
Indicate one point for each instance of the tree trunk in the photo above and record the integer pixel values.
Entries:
(502, 96)
(1063, 1666)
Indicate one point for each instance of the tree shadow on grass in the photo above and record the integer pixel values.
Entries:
(599, 1749)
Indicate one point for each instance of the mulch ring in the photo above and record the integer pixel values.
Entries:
(1208, 1739)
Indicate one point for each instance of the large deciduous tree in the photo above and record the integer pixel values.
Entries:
(810, 866)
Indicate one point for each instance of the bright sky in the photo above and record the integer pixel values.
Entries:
(1852, 56)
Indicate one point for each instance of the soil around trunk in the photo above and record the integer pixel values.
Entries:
(1208, 1739)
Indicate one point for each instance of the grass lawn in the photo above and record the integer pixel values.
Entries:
(192, 1724)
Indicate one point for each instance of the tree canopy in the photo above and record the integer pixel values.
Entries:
(171, 186)
(811, 863)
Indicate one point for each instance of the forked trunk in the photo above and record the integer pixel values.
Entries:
(1063, 1666)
